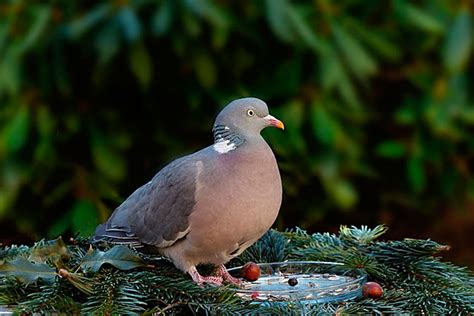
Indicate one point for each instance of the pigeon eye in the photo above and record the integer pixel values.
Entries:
(250, 112)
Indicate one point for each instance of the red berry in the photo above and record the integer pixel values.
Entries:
(251, 271)
(372, 290)
(254, 295)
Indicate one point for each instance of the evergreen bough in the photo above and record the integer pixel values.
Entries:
(77, 278)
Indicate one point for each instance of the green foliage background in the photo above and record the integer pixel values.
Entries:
(377, 98)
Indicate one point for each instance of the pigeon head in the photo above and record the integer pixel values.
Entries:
(245, 117)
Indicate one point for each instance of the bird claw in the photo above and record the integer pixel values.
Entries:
(222, 272)
(210, 280)
(199, 279)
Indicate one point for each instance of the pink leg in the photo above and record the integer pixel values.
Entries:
(199, 279)
(222, 272)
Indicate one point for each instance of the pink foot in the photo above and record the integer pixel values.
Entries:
(199, 279)
(222, 272)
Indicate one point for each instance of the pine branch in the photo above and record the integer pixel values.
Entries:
(175, 293)
(9, 253)
(115, 293)
(414, 281)
(50, 299)
(362, 235)
(12, 291)
(270, 248)
(369, 306)
(441, 272)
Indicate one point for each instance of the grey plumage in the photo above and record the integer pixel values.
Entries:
(170, 194)
(209, 206)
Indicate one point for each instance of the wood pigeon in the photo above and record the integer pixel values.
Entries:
(209, 206)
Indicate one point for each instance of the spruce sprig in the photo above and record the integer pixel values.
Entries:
(414, 278)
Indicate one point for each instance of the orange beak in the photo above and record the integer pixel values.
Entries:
(273, 121)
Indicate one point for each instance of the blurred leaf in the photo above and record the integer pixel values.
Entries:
(121, 257)
(45, 125)
(107, 42)
(103, 211)
(331, 69)
(419, 17)
(28, 272)
(468, 115)
(84, 217)
(375, 40)
(334, 76)
(162, 17)
(97, 75)
(304, 32)
(459, 42)
(406, 115)
(130, 24)
(15, 133)
(79, 26)
(292, 115)
(10, 78)
(5, 26)
(41, 19)
(205, 70)
(390, 149)
(347, 90)
(416, 174)
(359, 60)
(441, 121)
(53, 196)
(7, 198)
(60, 225)
(343, 193)
(61, 75)
(323, 126)
(121, 140)
(219, 37)
(191, 25)
(107, 158)
(140, 63)
(457, 93)
(277, 16)
(285, 80)
(208, 10)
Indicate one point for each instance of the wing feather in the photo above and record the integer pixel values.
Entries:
(157, 212)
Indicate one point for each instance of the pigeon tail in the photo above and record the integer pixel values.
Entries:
(115, 235)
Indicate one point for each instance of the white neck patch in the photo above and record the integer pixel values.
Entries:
(224, 146)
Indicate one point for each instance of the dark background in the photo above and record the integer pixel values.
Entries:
(376, 96)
